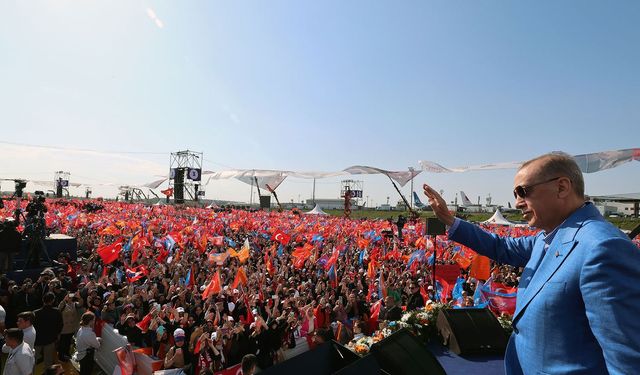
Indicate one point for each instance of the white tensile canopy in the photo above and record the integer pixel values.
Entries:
(316, 211)
(498, 219)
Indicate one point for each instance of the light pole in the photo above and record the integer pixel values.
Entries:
(412, 176)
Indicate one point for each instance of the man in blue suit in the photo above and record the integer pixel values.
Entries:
(578, 305)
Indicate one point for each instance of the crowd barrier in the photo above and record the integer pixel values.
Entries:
(145, 365)
(107, 360)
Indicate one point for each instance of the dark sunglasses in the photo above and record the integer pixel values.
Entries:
(523, 191)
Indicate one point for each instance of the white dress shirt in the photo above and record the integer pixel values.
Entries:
(29, 337)
(20, 361)
(85, 339)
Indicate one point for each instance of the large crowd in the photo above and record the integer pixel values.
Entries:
(203, 288)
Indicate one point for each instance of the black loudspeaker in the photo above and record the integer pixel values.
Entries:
(403, 353)
(59, 188)
(434, 227)
(265, 202)
(327, 358)
(471, 331)
(178, 185)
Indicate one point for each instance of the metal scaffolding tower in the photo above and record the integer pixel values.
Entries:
(185, 175)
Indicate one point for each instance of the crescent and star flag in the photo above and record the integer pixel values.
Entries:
(110, 253)
(374, 313)
(168, 192)
(136, 273)
(500, 298)
(281, 237)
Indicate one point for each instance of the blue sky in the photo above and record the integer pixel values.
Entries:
(325, 85)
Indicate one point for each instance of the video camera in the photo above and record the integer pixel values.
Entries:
(36, 207)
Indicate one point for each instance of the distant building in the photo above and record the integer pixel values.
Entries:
(328, 204)
(620, 204)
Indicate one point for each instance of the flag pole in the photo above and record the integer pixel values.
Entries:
(433, 276)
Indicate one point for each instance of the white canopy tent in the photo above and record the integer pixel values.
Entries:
(316, 211)
(498, 219)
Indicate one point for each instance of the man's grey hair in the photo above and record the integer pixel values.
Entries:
(559, 164)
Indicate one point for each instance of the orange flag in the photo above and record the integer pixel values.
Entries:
(480, 267)
(243, 255)
(462, 261)
(241, 278)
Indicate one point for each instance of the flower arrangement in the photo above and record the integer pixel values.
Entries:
(361, 346)
(421, 323)
(506, 322)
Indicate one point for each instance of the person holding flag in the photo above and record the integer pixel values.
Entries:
(579, 293)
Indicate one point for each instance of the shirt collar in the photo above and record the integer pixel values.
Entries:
(17, 348)
(548, 238)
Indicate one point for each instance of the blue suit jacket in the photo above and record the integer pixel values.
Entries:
(578, 305)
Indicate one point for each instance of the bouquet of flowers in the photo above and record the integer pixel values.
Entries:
(506, 322)
(361, 346)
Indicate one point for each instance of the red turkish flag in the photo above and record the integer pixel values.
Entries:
(110, 253)
(281, 237)
(214, 286)
(168, 192)
(217, 241)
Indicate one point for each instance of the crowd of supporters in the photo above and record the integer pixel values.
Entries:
(203, 289)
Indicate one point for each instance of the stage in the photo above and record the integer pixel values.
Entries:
(400, 353)
(453, 364)
(55, 245)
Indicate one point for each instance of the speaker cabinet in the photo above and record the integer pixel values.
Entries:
(403, 353)
(265, 202)
(471, 331)
(178, 185)
(434, 227)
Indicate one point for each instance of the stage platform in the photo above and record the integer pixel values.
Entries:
(454, 364)
(55, 244)
(400, 353)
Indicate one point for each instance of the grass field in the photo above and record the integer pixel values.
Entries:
(622, 223)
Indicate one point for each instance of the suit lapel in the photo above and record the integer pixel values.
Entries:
(528, 273)
(549, 265)
(562, 245)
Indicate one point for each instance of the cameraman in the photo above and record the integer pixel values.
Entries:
(9, 244)
(35, 229)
